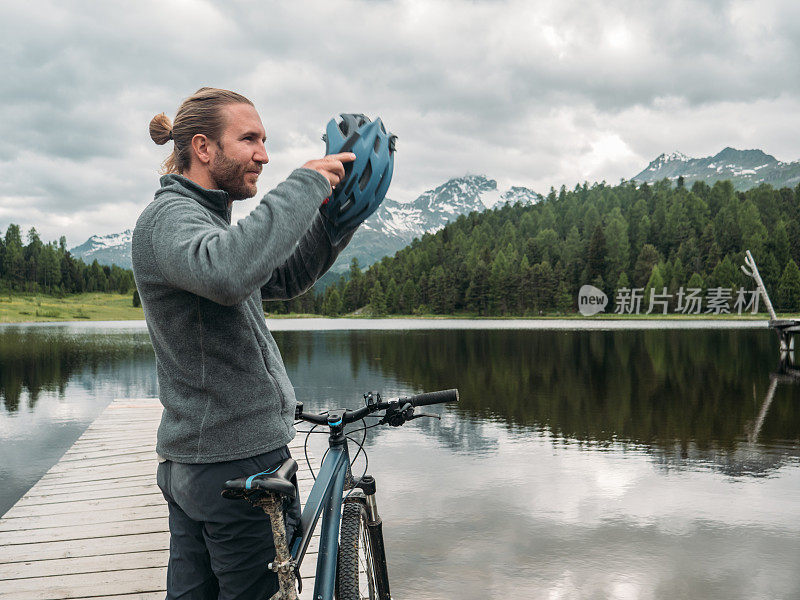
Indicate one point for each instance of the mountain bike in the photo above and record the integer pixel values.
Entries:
(352, 560)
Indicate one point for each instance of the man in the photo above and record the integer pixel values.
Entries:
(228, 402)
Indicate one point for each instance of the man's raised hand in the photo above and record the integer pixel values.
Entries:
(331, 166)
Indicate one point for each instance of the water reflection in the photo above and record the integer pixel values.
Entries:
(599, 464)
(704, 397)
(689, 396)
(54, 381)
(36, 360)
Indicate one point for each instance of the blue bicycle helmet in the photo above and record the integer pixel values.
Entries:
(367, 178)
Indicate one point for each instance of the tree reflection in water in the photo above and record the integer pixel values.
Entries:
(685, 395)
(36, 360)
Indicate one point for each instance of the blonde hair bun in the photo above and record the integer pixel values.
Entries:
(161, 129)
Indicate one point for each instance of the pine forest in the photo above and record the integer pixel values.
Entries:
(523, 260)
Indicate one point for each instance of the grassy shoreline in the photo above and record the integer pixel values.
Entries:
(576, 317)
(39, 308)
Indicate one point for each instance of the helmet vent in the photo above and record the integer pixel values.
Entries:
(364, 180)
(376, 147)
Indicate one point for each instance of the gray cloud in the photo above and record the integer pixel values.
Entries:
(531, 93)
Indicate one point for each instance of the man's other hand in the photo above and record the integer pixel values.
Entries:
(331, 166)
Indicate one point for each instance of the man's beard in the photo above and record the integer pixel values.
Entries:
(229, 176)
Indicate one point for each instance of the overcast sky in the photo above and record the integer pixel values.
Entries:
(529, 93)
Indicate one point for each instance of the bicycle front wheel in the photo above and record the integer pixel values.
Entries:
(357, 564)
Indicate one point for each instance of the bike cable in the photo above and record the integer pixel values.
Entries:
(305, 451)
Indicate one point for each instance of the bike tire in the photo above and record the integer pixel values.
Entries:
(357, 574)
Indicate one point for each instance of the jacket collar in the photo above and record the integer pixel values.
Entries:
(217, 201)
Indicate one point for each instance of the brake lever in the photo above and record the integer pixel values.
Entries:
(420, 415)
(399, 415)
(396, 416)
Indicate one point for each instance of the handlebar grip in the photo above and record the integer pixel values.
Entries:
(434, 398)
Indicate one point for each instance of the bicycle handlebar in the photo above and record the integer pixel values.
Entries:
(429, 398)
(350, 416)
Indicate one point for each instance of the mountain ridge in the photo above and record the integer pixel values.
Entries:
(744, 168)
(393, 226)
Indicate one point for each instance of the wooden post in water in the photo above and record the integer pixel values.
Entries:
(785, 328)
(749, 262)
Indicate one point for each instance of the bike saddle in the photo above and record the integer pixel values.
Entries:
(277, 479)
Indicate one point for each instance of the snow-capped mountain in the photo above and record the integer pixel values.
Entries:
(106, 249)
(396, 224)
(392, 227)
(745, 168)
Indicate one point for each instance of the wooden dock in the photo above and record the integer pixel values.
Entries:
(95, 526)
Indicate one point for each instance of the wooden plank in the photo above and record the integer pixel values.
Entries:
(107, 515)
(148, 456)
(126, 426)
(114, 436)
(87, 584)
(90, 495)
(84, 532)
(99, 453)
(141, 468)
(83, 564)
(23, 511)
(49, 550)
(109, 434)
(110, 446)
(94, 490)
(91, 482)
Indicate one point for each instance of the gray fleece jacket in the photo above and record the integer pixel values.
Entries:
(222, 381)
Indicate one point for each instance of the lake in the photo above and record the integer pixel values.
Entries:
(615, 462)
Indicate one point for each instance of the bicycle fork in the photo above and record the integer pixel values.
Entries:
(375, 527)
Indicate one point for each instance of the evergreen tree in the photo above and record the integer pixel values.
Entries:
(648, 258)
(548, 246)
(696, 282)
(654, 285)
(544, 286)
(596, 254)
(778, 244)
(497, 283)
(572, 255)
(789, 288)
(724, 275)
(14, 259)
(752, 230)
(354, 296)
(617, 244)
(392, 297)
(524, 297)
(770, 271)
(678, 277)
(332, 305)
(377, 300)
(409, 297)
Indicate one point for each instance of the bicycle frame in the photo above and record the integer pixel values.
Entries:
(325, 499)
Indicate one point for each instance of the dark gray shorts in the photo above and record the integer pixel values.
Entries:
(219, 549)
